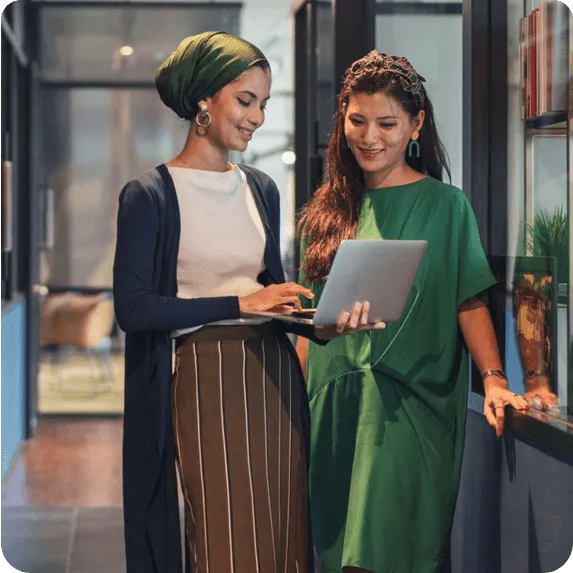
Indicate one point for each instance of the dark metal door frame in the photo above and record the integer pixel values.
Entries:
(353, 38)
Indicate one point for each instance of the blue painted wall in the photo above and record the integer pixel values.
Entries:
(13, 382)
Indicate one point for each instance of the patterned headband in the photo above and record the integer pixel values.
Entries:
(410, 80)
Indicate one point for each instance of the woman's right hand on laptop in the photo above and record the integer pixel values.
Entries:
(275, 298)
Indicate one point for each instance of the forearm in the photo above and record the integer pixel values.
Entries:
(138, 311)
(478, 331)
(302, 351)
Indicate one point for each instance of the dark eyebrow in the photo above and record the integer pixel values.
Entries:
(254, 96)
(381, 117)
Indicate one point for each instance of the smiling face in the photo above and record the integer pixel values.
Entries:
(378, 130)
(238, 109)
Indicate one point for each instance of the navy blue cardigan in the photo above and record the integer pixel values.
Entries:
(145, 289)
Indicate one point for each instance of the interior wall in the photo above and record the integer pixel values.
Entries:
(515, 505)
(437, 56)
(13, 382)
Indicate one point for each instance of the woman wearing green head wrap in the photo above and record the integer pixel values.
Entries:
(197, 252)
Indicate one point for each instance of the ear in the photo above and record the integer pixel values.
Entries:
(418, 121)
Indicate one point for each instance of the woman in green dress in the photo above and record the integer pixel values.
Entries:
(389, 407)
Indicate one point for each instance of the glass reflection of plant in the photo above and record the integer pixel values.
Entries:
(548, 236)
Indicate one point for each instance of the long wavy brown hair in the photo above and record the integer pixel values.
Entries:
(332, 214)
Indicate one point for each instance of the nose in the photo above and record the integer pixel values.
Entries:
(370, 134)
(256, 118)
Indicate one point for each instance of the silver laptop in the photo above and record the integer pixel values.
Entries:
(381, 272)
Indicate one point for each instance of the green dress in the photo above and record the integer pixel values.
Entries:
(389, 407)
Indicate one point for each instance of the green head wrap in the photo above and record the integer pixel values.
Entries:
(200, 67)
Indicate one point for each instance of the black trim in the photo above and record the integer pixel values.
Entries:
(354, 33)
(32, 220)
(549, 119)
(301, 119)
(10, 37)
(475, 131)
(298, 4)
(315, 160)
(554, 439)
(497, 244)
(556, 442)
(495, 192)
(419, 8)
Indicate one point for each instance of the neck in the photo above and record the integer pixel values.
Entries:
(399, 174)
(200, 152)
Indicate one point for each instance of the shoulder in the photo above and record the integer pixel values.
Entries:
(149, 186)
(448, 196)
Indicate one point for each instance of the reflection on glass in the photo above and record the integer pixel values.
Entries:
(547, 234)
(537, 334)
(534, 309)
(84, 43)
(94, 141)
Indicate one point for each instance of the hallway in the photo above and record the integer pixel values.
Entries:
(61, 502)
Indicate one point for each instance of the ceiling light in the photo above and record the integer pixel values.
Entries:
(126, 51)
(289, 157)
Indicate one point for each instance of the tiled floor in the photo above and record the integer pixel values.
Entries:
(75, 463)
(63, 539)
(61, 501)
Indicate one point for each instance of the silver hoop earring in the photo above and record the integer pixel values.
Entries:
(203, 119)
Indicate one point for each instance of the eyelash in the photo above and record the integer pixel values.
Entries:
(384, 125)
(247, 104)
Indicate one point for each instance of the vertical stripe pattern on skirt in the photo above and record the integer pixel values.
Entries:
(237, 409)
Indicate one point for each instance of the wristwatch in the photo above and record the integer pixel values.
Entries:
(498, 373)
(534, 373)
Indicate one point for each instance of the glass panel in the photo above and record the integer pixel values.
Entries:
(84, 43)
(538, 188)
(549, 235)
(94, 141)
(437, 55)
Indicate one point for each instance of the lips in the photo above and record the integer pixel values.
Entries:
(370, 153)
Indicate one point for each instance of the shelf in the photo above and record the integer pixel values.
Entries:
(553, 119)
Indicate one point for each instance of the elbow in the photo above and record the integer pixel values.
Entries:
(128, 318)
(125, 321)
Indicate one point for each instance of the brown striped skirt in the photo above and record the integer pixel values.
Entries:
(237, 408)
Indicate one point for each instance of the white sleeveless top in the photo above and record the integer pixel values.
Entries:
(222, 244)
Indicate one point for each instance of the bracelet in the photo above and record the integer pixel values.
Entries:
(534, 373)
(498, 373)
